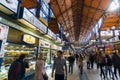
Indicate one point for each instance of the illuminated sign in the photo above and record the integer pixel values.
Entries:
(28, 39)
(30, 18)
(10, 4)
(43, 43)
(50, 33)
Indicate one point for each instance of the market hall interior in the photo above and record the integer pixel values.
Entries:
(88, 30)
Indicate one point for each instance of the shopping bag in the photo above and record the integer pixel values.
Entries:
(45, 76)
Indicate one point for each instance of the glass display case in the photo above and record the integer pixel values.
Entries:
(12, 52)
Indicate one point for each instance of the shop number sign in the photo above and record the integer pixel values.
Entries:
(3, 37)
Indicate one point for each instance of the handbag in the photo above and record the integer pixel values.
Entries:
(45, 76)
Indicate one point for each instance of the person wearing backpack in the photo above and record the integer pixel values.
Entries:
(17, 69)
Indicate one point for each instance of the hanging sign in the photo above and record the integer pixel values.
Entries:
(8, 5)
(51, 34)
(32, 20)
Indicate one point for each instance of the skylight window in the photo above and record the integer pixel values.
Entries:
(113, 6)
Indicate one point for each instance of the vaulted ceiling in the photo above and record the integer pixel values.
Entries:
(78, 16)
(110, 20)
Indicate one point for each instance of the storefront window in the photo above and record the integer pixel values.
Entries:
(12, 52)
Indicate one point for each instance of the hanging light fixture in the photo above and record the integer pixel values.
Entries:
(47, 1)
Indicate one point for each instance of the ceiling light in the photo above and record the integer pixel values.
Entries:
(47, 1)
(113, 6)
(113, 27)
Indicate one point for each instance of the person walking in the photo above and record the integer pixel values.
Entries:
(17, 69)
(40, 67)
(108, 66)
(58, 66)
(101, 62)
(71, 60)
(91, 57)
(88, 61)
(116, 64)
(80, 63)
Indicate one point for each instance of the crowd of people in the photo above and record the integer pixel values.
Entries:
(109, 65)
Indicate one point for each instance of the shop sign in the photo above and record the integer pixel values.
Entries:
(59, 40)
(2, 20)
(3, 37)
(28, 39)
(27, 15)
(50, 33)
(101, 45)
(54, 47)
(117, 38)
(10, 4)
(106, 33)
(44, 44)
(59, 48)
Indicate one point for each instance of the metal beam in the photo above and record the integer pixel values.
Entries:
(66, 10)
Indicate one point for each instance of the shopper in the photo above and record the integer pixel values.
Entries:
(76, 56)
(101, 62)
(80, 63)
(88, 61)
(91, 60)
(40, 67)
(108, 66)
(71, 60)
(58, 66)
(17, 69)
(116, 64)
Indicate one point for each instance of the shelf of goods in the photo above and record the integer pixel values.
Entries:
(12, 53)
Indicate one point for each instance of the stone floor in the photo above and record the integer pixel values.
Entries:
(88, 74)
(74, 76)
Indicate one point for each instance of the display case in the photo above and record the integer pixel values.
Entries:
(12, 52)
